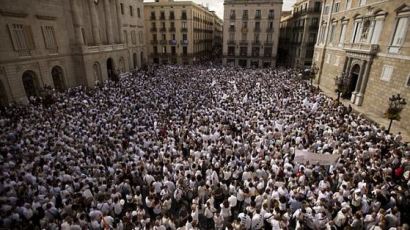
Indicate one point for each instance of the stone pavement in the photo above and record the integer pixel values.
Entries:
(381, 121)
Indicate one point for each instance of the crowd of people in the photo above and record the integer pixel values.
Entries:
(199, 147)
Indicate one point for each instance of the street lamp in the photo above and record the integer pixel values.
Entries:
(396, 105)
(339, 82)
(313, 70)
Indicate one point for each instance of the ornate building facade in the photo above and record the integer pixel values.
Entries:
(367, 43)
(66, 43)
(251, 32)
(178, 31)
(298, 33)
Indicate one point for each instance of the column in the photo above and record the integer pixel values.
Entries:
(108, 22)
(119, 20)
(349, 64)
(360, 95)
(95, 23)
(77, 22)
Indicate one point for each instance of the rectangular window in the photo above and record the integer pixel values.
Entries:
(231, 50)
(50, 41)
(133, 37)
(336, 7)
(171, 15)
(153, 15)
(356, 32)
(138, 12)
(173, 50)
(387, 72)
(243, 51)
(245, 14)
(232, 36)
(155, 49)
(332, 33)
(162, 15)
(21, 37)
(232, 14)
(122, 8)
(362, 2)
(271, 14)
(342, 35)
(184, 37)
(255, 51)
(399, 35)
(257, 25)
(184, 25)
(154, 37)
(131, 11)
(183, 15)
(378, 26)
(348, 4)
(184, 50)
(258, 14)
(267, 52)
(269, 37)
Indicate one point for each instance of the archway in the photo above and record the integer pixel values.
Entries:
(30, 83)
(97, 72)
(110, 68)
(3, 95)
(134, 58)
(58, 78)
(354, 76)
(122, 64)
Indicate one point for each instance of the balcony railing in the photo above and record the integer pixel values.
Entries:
(162, 17)
(257, 29)
(184, 29)
(171, 17)
(172, 29)
(184, 42)
(184, 17)
(271, 17)
(232, 17)
(245, 18)
(154, 42)
(172, 42)
(258, 17)
(153, 29)
(231, 42)
(231, 29)
(269, 30)
(256, 43)
(162, 29)
(153, 17)
(268, 43)
(243, 43)
(163, 42)
(361, 47)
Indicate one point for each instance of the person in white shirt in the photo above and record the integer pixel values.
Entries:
(219, 221)
(257, 221)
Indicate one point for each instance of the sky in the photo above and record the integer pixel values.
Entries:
(218, 7)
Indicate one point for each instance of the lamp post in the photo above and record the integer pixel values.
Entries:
(313, 70)
(339, 82)
(396, 105)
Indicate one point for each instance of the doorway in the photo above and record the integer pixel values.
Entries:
(3, 95)
(110, 69)
(351, 86)
(134, 58)
(58, 79)
(30, 84)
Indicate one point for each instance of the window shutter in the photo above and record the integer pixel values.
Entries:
(29, 37)
(400, 32)
(13, 37)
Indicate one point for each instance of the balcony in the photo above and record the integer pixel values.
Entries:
(245, 18)
(271, 17)
(184, 42)
(172, 29)
(153, 29)
(162, 30)
(184, 17)
(268, 43)
(231, 29)
(172, 42)
(154, 42)
(171, 17)
(269, 30)
(231, 42)
(232, 17)
(258, 17)
(162, 17)
(231, 54)
(361, 48)
(184, 29)
(257, 29)
(243, 43)
(163, 42)
(153, 17)
(256, 43)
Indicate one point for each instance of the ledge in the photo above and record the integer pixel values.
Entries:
(46, 17)
(16, 14)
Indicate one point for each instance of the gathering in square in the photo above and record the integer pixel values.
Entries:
(140, 115)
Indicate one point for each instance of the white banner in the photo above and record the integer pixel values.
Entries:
(303, 157)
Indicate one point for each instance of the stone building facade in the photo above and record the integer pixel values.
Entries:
(367, 42)
(298, 33)
(178, 32)
(251, 32)
(66, 43)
